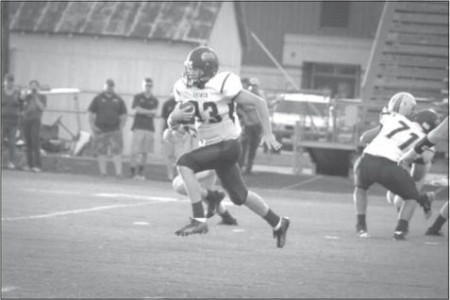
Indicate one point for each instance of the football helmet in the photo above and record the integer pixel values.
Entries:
(428, 119)
(200, 66)
(402, 103)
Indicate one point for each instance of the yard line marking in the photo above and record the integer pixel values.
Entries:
(75, 211)
(331, 237)
(432, 243)
(301, 183)
(8, 289)
(137, 197)
(140, 223)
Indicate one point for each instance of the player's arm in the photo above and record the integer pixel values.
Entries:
(428, 141)
(144, 111)
(178, 115)
(370, 134)
(92, 118)
(140, 110)
(93, 108)
(247, 98)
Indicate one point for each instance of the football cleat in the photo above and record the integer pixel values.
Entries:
(280, 233)
(194, 227)
(361, 231)
(362, 234)
(433, 232)
(213, 199)
(399, 235)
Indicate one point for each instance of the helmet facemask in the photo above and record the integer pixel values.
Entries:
(200, 66)
(193, 76)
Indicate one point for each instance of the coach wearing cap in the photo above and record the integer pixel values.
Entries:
(145, 105)
(107, 117)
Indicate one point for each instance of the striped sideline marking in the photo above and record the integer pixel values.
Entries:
(302, 183)
(98, 208)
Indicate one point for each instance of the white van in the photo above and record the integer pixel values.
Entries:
(311, 110)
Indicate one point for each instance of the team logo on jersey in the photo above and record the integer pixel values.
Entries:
(201, 95)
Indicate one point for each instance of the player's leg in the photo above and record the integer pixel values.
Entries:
(231, 178)
(364, 171)
(101, 150)
(207, 180)
(116, 141)
(197, 160)
(398, 180)
(440, 220)
(418, 172)
(134, 155)
(147, 146)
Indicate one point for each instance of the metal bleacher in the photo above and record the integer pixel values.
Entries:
(410, 53)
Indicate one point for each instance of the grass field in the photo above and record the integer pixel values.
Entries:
(81, 236)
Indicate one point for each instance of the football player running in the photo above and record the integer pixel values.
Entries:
(214, 96)
(379, 164)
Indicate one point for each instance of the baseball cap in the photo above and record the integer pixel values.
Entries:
(110, 82)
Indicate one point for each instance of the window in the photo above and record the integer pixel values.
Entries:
(341, 81)
(335, 14)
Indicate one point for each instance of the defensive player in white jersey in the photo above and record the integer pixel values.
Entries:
(378, 164)
(214, 96)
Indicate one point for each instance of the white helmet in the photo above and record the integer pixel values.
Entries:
(402, 103)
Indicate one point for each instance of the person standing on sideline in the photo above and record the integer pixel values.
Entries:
(145, 106)
(107, 117)
(34, 105)
(11, 109)
(252, 130)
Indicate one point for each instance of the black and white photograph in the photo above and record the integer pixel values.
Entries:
(224, 149)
